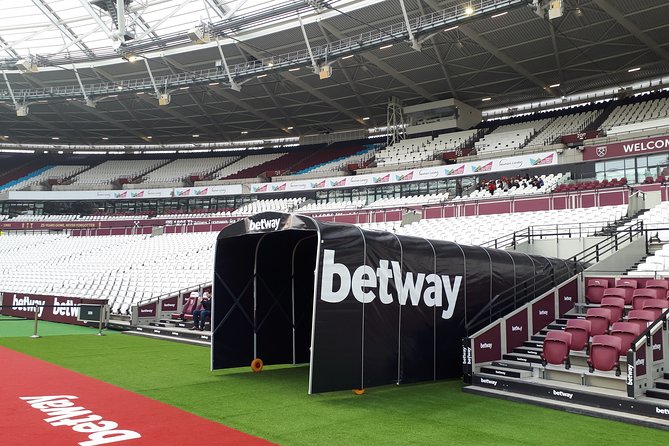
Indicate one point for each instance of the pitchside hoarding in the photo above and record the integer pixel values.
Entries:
(49, 308)
(364, 308)
(627, 148)
(518, 162)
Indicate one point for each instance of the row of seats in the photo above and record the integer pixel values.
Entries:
(111, 171)
(564, 125)
(475, 230)
(340, 164)
(182, 169)
(55, 174)
(637, 116)
(510, 136)
(123, 269)
(550, 183)
(590, 185)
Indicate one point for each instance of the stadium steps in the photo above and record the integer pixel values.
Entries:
(661, 390)
(599, 120)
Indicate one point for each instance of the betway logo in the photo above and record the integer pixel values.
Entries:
(492, 382)
(648, 145)
(410, 289)
(563, 394)
(264, 224)
(640, 361)
(543, 312)
(61, 411)
(661, 411)
(27, 304)
(516, 328)
(657, 347)
(486, 345)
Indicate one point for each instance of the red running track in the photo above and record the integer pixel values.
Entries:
(43, 404)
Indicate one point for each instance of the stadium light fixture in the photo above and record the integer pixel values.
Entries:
(183, 88)
(469, 9)
(211, 84)
(366, 118)
(632, 70)
(347, 57)
(289, 128)
(260, 76)
(451, 28)
(244, 132)
(486, 99)
(294, 69)
(499, 15)
(554, 85)
(386, 46)
(55, 138)
(196, 136)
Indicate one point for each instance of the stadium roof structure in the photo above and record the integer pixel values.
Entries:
(67, 65)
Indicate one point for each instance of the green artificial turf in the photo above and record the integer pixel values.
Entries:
(19, 327)
(274, 404)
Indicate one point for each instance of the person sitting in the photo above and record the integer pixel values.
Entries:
(202, 313)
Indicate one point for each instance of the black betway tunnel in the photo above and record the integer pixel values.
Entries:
(364, 308)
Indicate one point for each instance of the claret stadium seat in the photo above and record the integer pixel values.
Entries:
(595, 290)
(605, 353)
(662, 284)
(624, 293)
(642, 318)
(600, 319)
(580, 333)
(643, 295)
(616, 305)
(189, 306)
(627, 332)
(657, 306)
(556, 348)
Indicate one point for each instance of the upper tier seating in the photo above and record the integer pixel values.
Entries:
(412, 150)
(637, 116)
(247, 165)
(181, 169)
(476, 230)
(113, 170)
(340, 163)
(49, 173)
(509, 136)
(564, 125)
(123, 269)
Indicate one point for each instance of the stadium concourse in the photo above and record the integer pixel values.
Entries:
(470, 197)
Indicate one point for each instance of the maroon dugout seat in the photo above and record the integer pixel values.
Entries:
(616, 305)
(643, 295)
(629, 285)
(556, 348)
(624, 293)
(595, 290)
(642, 318)
(657, 306)
(189, 306)
(605, 353)
(600, 319)
(580, 333)
(662, 284)
(627, 332)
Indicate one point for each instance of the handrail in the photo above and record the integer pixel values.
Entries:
(520, 294)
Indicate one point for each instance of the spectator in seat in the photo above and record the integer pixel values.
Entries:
(202, 313)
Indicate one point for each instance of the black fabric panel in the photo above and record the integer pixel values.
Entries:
(232, 339)
(337, 344)
(305, 263)
(417, 327)
(381, 341)
(449, 332)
